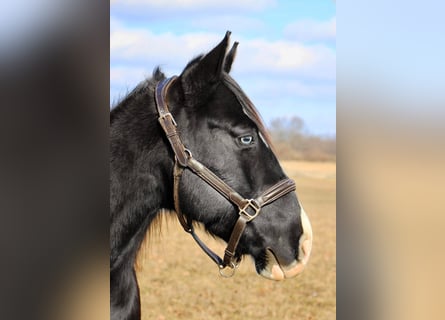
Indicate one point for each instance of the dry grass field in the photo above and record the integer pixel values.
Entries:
(178, 281)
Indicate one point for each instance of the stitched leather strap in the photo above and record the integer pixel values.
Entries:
(167, 121)
(213, 180)
(177, 173)
(235, 237)
(276, 191)
(248, 208)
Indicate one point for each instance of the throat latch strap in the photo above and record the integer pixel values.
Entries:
(186, 223)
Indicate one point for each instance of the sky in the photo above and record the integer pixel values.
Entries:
(393, 49)
(285, 63)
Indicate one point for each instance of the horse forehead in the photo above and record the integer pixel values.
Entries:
(244, 103)
(248, 107)
(235, 89)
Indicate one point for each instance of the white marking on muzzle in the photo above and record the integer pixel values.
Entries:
(305, 245)
(275, 271)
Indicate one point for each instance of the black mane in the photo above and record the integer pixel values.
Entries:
(137, 93)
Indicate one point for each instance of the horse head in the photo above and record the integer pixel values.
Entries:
(220, 127)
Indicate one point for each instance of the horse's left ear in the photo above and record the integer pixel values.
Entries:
(199, 76)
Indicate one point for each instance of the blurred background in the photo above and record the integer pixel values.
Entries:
(286, 65)
(55, 100)
(54, 107)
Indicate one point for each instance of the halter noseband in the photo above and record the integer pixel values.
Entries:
(248, 208)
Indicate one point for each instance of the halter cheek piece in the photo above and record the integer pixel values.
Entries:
(248, 208)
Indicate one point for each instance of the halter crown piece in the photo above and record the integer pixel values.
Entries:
(249, 209)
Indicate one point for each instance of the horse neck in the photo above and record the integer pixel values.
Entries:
(141, 176)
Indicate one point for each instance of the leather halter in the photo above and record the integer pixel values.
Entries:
(248, 208)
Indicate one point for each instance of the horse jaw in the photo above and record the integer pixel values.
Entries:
(275, 271)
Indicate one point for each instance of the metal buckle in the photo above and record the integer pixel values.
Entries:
(254, 206)
(168, 114)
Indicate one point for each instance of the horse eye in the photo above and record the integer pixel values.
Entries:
(246, 140)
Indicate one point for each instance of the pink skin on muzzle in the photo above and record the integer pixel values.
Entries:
(275, 271)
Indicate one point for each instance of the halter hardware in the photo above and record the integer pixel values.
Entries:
(164, 116)
(232, 268)
(249, 209)
(251, 203)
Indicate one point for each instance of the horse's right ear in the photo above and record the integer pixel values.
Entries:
(200, 74)
(230, 57)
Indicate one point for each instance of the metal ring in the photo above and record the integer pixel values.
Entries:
(188, 152)
(233, 266)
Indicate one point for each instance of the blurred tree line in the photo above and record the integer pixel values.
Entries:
(292, 142)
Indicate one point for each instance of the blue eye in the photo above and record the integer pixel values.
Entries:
(246, 140)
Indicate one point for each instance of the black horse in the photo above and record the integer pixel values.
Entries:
(210, 116)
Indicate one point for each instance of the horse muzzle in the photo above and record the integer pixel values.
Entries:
(274, 270)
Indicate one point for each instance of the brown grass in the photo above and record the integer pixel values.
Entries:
(178, 281)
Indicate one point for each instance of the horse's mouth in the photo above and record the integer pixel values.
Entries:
(274, 270)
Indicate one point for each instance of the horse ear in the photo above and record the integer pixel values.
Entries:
(212, 63)
(203, 72)
(230, 57)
